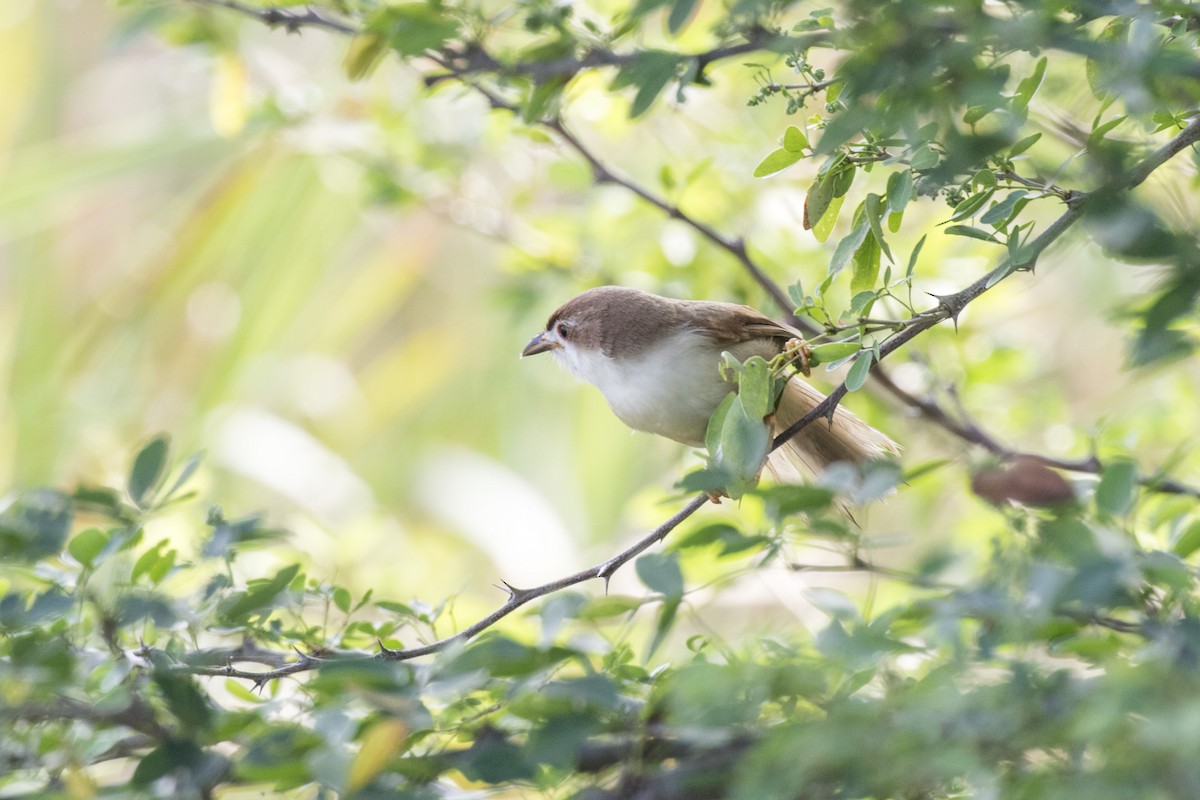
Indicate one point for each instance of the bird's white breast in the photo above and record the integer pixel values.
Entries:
(670, 388)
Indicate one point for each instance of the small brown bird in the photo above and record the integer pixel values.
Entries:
(656, 361)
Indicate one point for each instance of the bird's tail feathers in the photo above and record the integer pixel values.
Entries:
(820, 443)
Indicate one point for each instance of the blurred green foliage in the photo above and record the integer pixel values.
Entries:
(313, 258)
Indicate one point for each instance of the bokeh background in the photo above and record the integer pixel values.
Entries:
(324, 284)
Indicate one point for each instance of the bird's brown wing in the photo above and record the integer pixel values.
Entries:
(728, 323)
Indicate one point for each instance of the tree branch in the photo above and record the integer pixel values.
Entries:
(516, 598)
(136, 716)
(289, 20)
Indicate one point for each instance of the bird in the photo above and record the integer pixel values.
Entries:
(657, 362)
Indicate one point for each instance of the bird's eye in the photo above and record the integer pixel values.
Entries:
(562, 330)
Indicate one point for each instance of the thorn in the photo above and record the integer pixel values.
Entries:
(305, 658)
(260, 684)
(828, 415)
(384, 650)
(514, 594)
(946, 308)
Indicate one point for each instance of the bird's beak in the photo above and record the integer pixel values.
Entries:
(539, 344)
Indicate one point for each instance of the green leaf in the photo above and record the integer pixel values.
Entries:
(866, 266)
(796, 294)
(730, 538)
(543, 96)
(829, 218)
(834, 603)
(716, 423)
(843, 178)
(1023, 145)
(187, 703)
(87, 545)
(363, 54)
(1029, 86)
(1117, 488)
(1188, 542)
(237, 688)
(874, 213)
(149, 467)
(651, 71)
(794, 139)
(857, 375)
(1098, 133)
(662, 627)
(609, 606)
(500, 656)
(189, 468)
(777, 160)
(35, 526)
(999, 215)
(1096, 72)
(923, 158)
(832, 351)
(899, 190)
(743, 444)
(984, 177)
(162, 566)
(925, 468)
(972, 205)
(971, 233)
(412, 28)
(784, 501)
(847, 247)
(820, 194)
(342, 599)
(380, 743)
(681, 12)
(170, 756)
(861, 302)
(258, 594)
(916, 253)
(754, 387)
(147, 560)
(495, 760)
(660, 573)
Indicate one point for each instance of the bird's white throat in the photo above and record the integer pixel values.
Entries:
(670, 388)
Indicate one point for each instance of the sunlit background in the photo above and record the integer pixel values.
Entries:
(324, 286)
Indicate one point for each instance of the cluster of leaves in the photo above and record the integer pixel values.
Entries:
(939, 96)
(1067, 664)
(930, 92)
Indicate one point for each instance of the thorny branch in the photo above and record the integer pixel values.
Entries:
(948, 308)
(289, 20)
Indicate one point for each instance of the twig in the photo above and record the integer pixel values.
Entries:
(136, 715)
(860, 565)
(969, 431)
(1030, 183)
(516, 598)
(290, 20)
(475, 60)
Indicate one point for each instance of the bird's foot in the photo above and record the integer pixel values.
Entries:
(797, 352)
